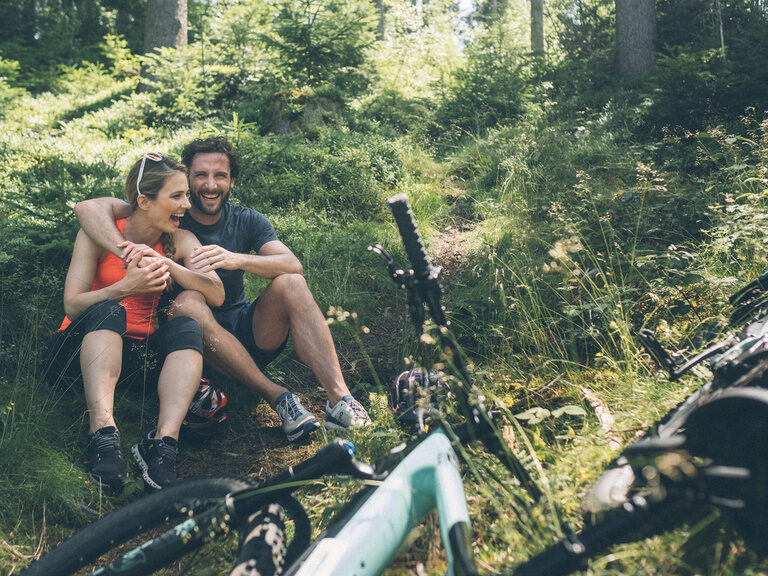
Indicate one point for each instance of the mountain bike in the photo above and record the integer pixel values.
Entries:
(736, 360)
(710, 450)
(400, 489)
(707, 452)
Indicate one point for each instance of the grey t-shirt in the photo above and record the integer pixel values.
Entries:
(240, 230)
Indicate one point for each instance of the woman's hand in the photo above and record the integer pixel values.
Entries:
(149, 274)
(131, 252)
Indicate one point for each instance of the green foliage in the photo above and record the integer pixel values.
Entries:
(739, 168)
(342, 174)
(123, 62)
(8, 93)
(584, 35)
(415, 38)
(491, 87)
(185, 87)
(322, 42)
(699, 81)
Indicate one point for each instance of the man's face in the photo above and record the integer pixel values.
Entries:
(209, 182)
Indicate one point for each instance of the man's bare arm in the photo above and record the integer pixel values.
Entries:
(97, 219)
(273, 259)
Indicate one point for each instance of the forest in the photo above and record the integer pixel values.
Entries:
(581, 170)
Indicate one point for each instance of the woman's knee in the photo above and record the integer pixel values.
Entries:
(182, 333)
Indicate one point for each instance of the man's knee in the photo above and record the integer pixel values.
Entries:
(190, 304)
(290, 285)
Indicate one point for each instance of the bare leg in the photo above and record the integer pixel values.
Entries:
(287, 304)
(178, 382)
(101, 357)
(223, 351)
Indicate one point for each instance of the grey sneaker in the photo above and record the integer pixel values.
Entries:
(347, 413)
(297, 422)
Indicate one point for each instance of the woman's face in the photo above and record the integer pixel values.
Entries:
(171, 203)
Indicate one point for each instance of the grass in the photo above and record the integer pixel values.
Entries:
(564, 236)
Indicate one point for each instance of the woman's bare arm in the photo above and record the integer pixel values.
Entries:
(78, 296)
(188, 276)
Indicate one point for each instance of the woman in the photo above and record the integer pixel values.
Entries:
(111, 308)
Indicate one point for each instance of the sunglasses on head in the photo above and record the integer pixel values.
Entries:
(155, 157)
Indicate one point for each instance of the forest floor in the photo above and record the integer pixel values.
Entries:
(251, 443)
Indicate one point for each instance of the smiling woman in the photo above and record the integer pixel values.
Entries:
(111, 306)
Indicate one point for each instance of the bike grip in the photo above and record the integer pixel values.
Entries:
(414, 247)
(331, 458)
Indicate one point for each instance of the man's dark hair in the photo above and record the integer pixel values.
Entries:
(212, 145)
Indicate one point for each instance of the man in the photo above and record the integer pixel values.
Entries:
(241, 338)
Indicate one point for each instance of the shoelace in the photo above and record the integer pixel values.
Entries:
(161, 450)
(293, 409)
(357, 409)
(106, 441)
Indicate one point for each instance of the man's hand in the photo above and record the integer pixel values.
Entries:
(131, 252)
(212, 257)
(146, 275)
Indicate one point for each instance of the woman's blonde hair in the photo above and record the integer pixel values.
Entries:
(158, 169)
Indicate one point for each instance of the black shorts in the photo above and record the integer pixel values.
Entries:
(141, 357)
(239, 322)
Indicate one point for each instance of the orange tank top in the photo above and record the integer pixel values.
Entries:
(139, 308)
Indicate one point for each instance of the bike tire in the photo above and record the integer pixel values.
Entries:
(613, 487)
(730, 431)
(119, 526)
(262, 549)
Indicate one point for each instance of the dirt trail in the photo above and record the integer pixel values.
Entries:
(251, 443)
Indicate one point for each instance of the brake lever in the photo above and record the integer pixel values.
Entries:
(398, 276)
(676, 368)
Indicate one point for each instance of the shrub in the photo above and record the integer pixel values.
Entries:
(342, 174)
(323, 42)
(184, 86)
(491, 88)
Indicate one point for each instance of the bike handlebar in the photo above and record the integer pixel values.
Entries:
(414, 246)
(425, 274)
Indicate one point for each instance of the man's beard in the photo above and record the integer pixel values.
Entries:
(194, 198)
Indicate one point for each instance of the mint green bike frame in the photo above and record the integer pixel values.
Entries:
(427, 478)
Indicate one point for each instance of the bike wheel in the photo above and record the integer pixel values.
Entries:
(616, 484)
(729, 432)
(262, 550)
(116, 528)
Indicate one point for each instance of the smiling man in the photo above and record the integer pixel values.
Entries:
(242, 337)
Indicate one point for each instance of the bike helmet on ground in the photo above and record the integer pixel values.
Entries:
(208, 407)
(414, 393)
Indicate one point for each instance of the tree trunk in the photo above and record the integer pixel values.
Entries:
(635, 38)
(537, 27)
(166, 24)
(382, 24)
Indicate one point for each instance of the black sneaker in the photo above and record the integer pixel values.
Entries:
(105, 462)
(157, 459)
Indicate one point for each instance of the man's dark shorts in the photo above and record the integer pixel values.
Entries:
(239, 321)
